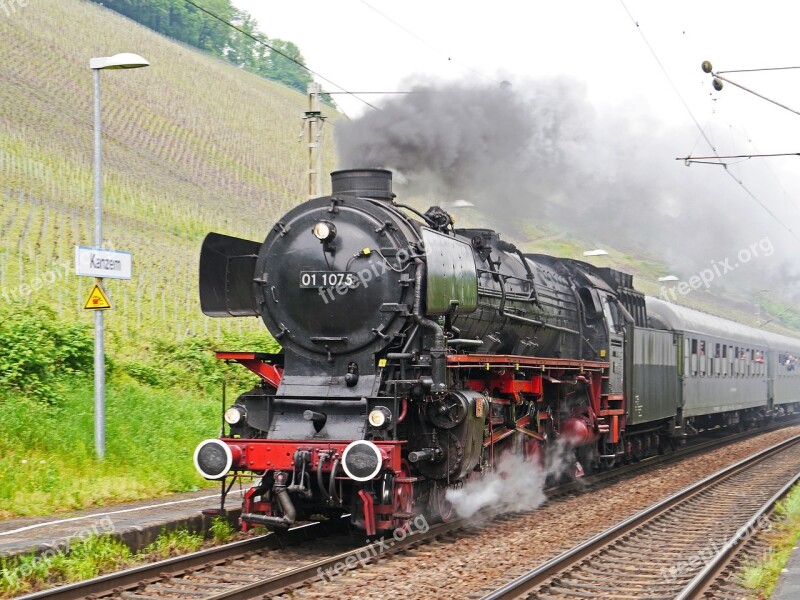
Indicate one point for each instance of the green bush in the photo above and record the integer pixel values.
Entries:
(191, 363)
(40, 351)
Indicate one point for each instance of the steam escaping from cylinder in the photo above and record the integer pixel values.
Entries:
(515, 485)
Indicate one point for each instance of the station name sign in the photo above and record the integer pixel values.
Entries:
(108, 264)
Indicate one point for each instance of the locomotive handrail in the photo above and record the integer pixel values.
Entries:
(501, 310)
(531, 278)
(464, 342)
(526, 361)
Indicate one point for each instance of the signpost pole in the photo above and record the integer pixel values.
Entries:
(99, 328)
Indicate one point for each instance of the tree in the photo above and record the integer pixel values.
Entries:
(184, 22)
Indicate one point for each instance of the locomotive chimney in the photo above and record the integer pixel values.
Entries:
(367, 183)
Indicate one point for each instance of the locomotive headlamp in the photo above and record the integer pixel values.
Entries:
(235, 415)
(324, 231)
(380, 417)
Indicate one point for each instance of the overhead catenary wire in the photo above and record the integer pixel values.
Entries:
(273, 49)
(384, 93)
(746, 89)
(669, 79)
(702, 132)
(717, 156)
(428, 44)
(756, 153)
(759, 70)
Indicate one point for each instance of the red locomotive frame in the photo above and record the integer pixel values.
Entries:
(508, 379)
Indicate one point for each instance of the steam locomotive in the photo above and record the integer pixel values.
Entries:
(416, 355)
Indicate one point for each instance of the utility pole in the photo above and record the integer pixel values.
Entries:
(757, 306)
(313, 126)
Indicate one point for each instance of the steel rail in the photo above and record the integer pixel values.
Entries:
(666, 458)
(346, 561)
(314, 570)
(696, 588)
(534, 578)
(105, 584)
(130, 578)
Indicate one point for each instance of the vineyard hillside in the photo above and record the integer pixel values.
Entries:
(190, 145)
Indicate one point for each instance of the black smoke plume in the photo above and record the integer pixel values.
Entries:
(540, 152)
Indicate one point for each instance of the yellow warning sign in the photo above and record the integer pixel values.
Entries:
(97, 299)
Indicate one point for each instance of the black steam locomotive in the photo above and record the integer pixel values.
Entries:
(416, 355)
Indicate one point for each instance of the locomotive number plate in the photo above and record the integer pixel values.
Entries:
(326, 279)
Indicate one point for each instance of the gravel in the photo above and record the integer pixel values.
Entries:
(494, 551)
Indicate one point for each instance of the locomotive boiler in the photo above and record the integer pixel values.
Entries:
(414, 356)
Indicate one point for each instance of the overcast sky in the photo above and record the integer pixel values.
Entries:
(374, 45)
(637, 54)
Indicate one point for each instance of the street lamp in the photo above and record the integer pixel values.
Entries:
(597, 252)
(125, 60)
(460, 203)
(662, 291)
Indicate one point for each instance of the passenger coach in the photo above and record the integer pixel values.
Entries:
(725, 373)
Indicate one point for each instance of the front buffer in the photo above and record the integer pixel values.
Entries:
(319, 474)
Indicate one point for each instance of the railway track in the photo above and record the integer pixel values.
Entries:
(675, 549)
(214, 571)
(317, 551)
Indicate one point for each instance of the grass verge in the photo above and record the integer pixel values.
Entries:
(96, 555)
(47, 462)
(762, 576)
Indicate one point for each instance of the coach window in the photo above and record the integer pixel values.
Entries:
(758, 358)
(725, 359)
(741, 362)
(687, 357)
(748, 357)
(702, 354)
(741, 367)
(694, 357)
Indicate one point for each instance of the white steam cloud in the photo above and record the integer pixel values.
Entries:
(515, 485)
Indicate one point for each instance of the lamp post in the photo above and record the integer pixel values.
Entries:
(118, 61)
